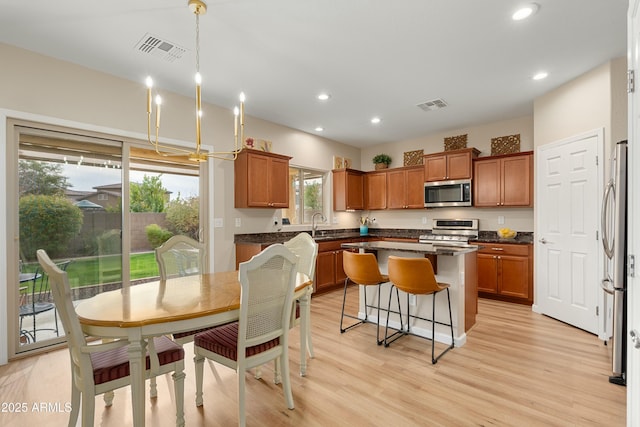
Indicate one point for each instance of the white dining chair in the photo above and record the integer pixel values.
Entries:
(177, 257)
(306, 249)
(261, 334)
(102, 368)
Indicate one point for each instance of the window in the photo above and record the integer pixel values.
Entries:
(306, 193)
(103, 196)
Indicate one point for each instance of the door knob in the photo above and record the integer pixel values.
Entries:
(635, 339)
(543, 241)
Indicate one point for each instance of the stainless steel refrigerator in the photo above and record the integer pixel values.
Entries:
(614, 240)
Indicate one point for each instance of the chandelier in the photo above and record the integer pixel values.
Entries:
(198, 8)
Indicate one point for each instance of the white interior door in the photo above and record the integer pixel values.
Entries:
(633, 189)
(567, 275)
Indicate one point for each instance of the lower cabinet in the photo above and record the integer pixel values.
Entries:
(329, 270)
(505, 272)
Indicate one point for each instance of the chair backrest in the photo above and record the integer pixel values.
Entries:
(412, 275)
(180, 256)
(361, 268)
(61, 291)
(306, 249)
(267, 281)
(41, 291)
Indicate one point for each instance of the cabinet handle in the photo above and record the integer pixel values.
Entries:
(498, 204)
(497, 249)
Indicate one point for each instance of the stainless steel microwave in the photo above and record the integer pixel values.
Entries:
(447, 193)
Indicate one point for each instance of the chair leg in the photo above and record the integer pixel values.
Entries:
(153, 388)
(108, 398)
(286, 382)
(199, 362)
(378, 340)
(433, 328)
(400, 332)
(88, 409)
(342, 316)
(178, 385)
(55, 316)
(242, 420)
(75, 404)
(309, 341)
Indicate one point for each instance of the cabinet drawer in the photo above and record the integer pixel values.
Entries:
(504, 249)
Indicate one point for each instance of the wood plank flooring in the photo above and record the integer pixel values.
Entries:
(517, 368)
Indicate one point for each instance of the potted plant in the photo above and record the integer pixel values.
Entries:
(382, 161)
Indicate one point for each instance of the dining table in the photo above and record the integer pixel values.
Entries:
(140, 312)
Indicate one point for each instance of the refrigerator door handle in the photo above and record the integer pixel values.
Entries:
(608, 192)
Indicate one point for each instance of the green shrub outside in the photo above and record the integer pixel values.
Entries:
(157, 235)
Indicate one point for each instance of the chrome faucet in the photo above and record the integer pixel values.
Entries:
(314, 226)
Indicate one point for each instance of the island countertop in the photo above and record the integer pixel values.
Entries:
(422, 248)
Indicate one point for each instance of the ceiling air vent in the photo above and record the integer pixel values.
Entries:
(152, 45)
(434, 104)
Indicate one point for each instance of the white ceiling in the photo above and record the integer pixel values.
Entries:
(375, 57)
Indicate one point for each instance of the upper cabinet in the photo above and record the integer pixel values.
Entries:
(348, 189)
(405, 188)
(261, 180)
(449, 165)
(501, 181)
(375, 190)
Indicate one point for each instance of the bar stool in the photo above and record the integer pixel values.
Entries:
(415, 277)
(362, 269)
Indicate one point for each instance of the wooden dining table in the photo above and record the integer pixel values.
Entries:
(139, 312)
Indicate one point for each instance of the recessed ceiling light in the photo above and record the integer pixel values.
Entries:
(319, 129)
(541, 75)
(376, 120)
(525, 12)
(324, 96)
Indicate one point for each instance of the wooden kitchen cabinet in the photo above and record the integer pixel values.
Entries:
(405, 188)
(348, 189)
(329, 270)
(505, 272)
(501, 181)
(449, 165)
(375, 190)
(261, 180)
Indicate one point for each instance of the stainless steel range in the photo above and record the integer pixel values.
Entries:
(452, 232)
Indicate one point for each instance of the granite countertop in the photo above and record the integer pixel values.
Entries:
(421, 248)
(522, 238)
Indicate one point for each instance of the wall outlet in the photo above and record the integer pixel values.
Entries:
(335, 219)
(424, 220)
(218, 222)
(238, 222)
(500, 219)
(412, 299)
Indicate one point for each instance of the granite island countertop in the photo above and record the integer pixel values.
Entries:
(422, 248)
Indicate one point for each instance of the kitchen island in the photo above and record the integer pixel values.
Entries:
(456, 265)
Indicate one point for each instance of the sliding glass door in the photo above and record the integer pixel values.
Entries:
(70, 199)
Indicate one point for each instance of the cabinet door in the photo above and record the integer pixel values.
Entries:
(340, 274)
(487, 273)
(415, 188)
(258, 181)
(516, 181)
(459, 166)
(396, 189)
(375, 185)
(514, 276)
(355, 191)
(279, 183)
(486, 183)
(325, 270)
(435, 167)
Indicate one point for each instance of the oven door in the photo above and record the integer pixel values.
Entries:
(447, 193)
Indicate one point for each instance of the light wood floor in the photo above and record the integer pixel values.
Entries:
(517, 368)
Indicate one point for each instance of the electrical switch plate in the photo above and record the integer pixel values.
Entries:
(424, 219)
(500, 219)
(238, 222)
(218, 222)
(335, 219)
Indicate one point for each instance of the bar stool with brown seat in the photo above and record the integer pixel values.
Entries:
(362, 269)
(415, 276)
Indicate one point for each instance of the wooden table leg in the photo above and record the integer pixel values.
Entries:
(137, 353)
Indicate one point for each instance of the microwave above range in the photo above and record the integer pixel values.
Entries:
(447, 193)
